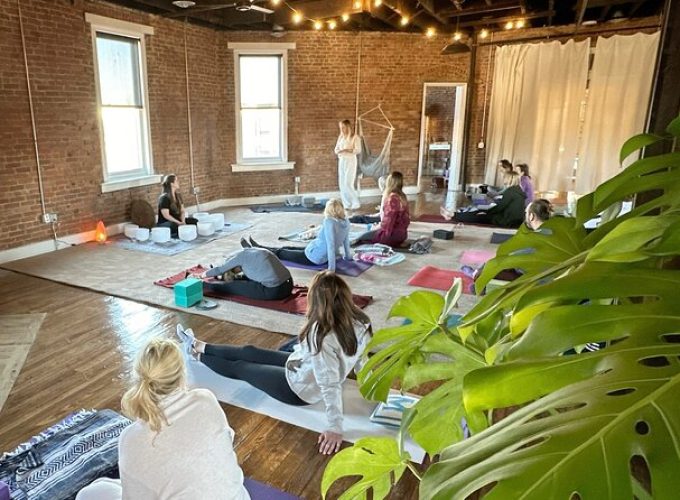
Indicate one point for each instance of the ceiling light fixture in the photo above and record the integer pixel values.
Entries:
(509, 25)
(520, 23)
(183, 4)
(457, 36)
(430, 32)
(332, 24)
(297, 17)
(345, 17)
(377, 3)
(357, 4)
(318, 25)
(404, 20)
(275, 2)
(484, 33)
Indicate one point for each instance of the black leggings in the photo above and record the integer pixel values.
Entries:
(261, 368)
(253, 289)
(473, 218)
(292, 254)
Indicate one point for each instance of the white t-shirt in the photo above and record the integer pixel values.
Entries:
(190, 458)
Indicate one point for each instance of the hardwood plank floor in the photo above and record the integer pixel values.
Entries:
(83, 353)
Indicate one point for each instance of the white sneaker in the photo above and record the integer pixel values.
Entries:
(187, 338)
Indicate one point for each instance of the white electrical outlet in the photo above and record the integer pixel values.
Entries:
(49, 218)
(196, 190)
(297, 179)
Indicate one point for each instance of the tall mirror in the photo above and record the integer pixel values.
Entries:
(441, 139)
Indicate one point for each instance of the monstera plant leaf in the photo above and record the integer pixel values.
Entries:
(424, 350)
(377, 461)
(580, 440)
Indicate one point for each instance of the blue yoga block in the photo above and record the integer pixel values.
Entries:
(188, 292)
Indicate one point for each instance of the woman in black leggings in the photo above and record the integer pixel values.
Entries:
(330, 346)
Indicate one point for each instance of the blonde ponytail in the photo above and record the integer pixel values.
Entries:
(159, 371)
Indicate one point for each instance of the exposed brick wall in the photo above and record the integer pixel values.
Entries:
(322, 91)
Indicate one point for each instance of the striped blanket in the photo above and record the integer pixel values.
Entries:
(61, 460)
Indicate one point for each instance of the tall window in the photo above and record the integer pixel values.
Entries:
(122, 106)
(261, 106)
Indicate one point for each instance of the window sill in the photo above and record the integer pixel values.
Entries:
(262, 167)
(146, 180)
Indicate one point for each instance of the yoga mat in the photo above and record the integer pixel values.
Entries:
(295, 237)
(434, 219)
(175, 246)
(261, 491)
(476, 258)
(265, 209)
(295, 304)
(498, 238)
(351, 268)
(441, 279)
(357, 410)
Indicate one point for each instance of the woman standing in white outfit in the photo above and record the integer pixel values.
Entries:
(347, 148)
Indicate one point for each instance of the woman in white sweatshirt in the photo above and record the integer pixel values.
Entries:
(180, 445)
(332, 343)
(347, 148)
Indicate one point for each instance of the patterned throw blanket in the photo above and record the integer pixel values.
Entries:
(61, 460)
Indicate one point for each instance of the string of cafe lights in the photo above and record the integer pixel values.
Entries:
(298, 18)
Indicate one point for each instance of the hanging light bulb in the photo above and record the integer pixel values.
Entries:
(520, 23)
(275, 2)
(430, 32)
(404, 20)
(297, 17)
(357, 4)
(377, 3)
(345, 17)
(457, 36)
(509, 25)
(484, 33)
(318, 25)
(332, 24)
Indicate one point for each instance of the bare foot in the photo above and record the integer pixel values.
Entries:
(445, 213)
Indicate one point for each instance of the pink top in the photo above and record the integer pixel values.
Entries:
(395, 220)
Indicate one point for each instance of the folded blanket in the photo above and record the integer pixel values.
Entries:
(342, 266)
(296, 303)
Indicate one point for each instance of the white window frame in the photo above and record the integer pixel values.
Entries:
(268, 49)
(100, 24)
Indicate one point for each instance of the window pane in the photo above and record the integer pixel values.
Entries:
(118, 61)
(260, 133)
(123, 143)
(260, 81)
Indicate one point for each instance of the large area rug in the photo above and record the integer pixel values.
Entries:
(119, 272)
(17, 333)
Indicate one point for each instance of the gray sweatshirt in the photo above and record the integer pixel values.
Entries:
(258, 264)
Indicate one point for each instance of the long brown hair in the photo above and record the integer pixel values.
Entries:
(330, 309)
(176, 200)
(394, 185)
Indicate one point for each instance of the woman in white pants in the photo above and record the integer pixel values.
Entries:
(347, 148)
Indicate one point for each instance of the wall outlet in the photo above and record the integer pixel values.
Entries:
(297, 180)
(49, 218)
(196, 190)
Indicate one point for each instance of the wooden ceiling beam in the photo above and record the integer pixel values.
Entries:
(428, 6)
(580, 11)
(502, 20)
(482, 9)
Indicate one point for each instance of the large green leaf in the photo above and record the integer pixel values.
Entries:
(376, 460)
(579, 440)
(628, 241)
(636, 143)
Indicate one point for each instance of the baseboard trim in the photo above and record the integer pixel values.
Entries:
(46, 246)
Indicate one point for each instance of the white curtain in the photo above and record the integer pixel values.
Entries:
(618, 99)
(537, 94)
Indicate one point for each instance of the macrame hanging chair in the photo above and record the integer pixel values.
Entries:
(372, 165)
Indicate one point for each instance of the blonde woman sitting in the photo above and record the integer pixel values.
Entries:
(334, 233)
(180, 444)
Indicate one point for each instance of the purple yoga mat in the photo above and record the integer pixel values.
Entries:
(351, 268)
(261, 491)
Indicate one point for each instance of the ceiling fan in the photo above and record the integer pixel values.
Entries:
(191, 6)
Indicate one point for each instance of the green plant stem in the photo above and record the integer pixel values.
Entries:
(414, 471)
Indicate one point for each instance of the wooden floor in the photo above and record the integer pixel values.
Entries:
(83, 353)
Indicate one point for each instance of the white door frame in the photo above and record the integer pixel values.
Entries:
(456, 137)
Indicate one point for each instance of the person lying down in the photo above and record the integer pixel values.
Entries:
(255, 273)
